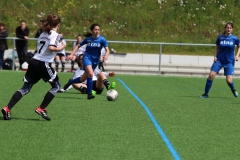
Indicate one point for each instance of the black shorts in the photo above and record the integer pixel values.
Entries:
(61, 55)
(98, 91)
(40, 70)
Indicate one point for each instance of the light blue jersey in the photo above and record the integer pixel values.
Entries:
(226, 48)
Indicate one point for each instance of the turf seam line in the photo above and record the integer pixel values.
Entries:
(158, 127)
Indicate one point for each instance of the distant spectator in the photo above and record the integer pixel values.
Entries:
(40, 30)
(61, 55)
(22, 32)
(79, 51)
(3, 43)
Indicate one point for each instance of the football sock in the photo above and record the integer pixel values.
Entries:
(47, 99)
(231, 85)
(208, 86)
(76, 80)
(89, 85)
(106, 83)
(15, 98)
(72, 64)
(83, 89)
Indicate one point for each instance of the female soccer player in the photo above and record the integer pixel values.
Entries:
(91, 57)
(224, 58)
(47, 47)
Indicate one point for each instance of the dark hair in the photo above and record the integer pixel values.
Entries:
(42, 20)
(2, 24)
(91, 28)
(79, 62)
(51, 22)
(228, 23)
(23, 21)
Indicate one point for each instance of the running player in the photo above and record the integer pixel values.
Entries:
(91, 57)
(47, 47)
(224, 58)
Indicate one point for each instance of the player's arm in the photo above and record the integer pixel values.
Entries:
(107, 54)
(238, 52)
(73, 51)
(54, 48)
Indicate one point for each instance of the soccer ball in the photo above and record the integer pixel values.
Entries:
(112, 95)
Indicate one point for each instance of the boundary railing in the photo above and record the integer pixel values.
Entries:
(124, 42)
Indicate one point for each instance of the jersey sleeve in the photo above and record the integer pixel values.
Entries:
(104, 42)
(54, 40)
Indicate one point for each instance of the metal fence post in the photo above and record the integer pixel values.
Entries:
(13, 56)
(160, 54)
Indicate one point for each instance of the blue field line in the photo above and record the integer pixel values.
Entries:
(158, 127)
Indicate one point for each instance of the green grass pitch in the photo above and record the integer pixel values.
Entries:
(99, 129)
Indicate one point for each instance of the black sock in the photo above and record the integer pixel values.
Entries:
(47, 99)
(15, 98)
(106, 83)
(83, 90)
(72, 64)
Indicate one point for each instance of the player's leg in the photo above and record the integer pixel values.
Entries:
(57, 61)
(63, 60)
(89, 72)
(48, 75)
(30, 79)
(229, 72)
(72, 63)
(214, 71)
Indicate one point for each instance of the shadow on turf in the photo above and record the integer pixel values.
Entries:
(29, 119)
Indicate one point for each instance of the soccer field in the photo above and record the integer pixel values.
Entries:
(154, 117)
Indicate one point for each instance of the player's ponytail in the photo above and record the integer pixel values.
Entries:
(51, 22)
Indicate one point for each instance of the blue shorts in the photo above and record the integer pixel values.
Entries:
(228, 68)
(90, 61)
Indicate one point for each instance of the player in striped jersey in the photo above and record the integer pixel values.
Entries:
(47, 47)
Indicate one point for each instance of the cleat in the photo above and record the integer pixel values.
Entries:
(94, 92)
(6, 113)
(112, 85)
(67, 85)
(90, 96)
(43, 113)
(61, 91)
(235, 93)
(72, 71)
(204, 96)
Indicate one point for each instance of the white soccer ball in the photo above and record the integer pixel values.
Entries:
(112, 95)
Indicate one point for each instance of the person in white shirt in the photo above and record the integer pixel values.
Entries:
(61, 55)
(47, 47)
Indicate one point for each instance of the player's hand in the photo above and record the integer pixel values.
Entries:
(105, 58)
(236, 58)
(215, 59)
(111, 74)
(70, 57)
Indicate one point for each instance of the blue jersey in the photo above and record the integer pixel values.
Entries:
(94, 46)
(226, 46)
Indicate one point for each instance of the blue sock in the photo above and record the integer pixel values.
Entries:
(76, 80)
(231, 85)
(208, 86)
(89, 85)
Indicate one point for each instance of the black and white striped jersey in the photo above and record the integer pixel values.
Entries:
(44, 41)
